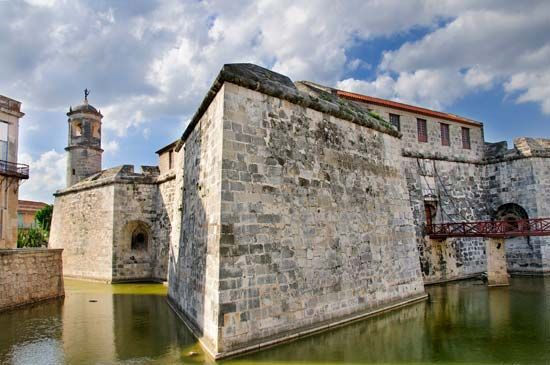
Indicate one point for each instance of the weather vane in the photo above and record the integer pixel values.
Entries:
(86, 93)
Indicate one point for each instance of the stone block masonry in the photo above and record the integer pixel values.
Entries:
(96, 220)
(82, 224)
(293, 219)
(29, 275)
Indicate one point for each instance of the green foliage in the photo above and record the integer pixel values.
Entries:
(43, 217)
(32, 237)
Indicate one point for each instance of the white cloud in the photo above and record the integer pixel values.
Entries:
(110, 146)
(429, 88)
(481, 46)
(148, 60)
(47, 174)
(532, 87)
(383, 86)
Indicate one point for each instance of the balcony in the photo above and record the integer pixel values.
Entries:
(12, 169)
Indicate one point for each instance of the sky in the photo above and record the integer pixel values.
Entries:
(149, 63)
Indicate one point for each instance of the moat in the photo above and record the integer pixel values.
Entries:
(462, 322)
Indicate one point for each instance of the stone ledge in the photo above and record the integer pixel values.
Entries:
(458, 278)
(478, 162)
(110, 181)
(27, 251)
(532, 273)
(295, 334)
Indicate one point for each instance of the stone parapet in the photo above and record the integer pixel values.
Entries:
(279, 86)
(30, 275)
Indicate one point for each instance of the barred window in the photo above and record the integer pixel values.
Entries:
(394, 120)
(422, 130)
(466, 138)
(445, 139)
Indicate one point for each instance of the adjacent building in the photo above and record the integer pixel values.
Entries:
(11, 172)
(26, 275)
(26, 212)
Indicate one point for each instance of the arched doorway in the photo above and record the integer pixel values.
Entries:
(520, 254)
(511, 213)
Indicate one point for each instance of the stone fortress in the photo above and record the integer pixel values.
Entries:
(289, 208)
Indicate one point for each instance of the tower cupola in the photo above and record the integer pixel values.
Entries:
(84, 141)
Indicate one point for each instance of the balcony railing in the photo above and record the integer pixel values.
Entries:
(12, 169)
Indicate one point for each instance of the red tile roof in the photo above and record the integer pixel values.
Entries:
(406, 107)
(30, 205)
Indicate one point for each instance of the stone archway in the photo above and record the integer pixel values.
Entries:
(519, 251)
(511, 212)
(132, 251)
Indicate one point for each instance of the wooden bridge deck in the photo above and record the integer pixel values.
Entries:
(516, 228)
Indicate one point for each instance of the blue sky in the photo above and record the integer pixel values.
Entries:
(149, 63)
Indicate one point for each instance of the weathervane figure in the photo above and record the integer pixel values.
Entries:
(86, 93)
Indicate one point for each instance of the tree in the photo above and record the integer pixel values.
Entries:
(32, 237)
(43, 217)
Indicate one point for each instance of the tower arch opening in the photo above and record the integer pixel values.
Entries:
(77, 129)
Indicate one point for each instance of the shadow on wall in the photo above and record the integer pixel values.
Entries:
(163, 228)
(187, 287)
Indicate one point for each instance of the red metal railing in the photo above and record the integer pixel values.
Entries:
(523, 227)
(12, 169)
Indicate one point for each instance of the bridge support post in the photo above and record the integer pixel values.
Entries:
(497, 274)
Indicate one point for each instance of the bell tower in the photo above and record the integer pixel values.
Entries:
(84, 146)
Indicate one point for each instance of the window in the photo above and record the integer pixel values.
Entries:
(466, 138)
(422, 130)
(445, 140)
(394, 120)
(3, 141)
(74, 172)
(170, 161)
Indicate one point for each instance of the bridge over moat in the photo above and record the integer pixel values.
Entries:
(496, 232)
(491, 229)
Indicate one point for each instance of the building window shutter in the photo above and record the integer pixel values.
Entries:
(445, 138)
(422, 130)
(394, 120)
(466, 138)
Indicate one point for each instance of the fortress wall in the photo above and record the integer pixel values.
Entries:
(82, 225)
(526, 182)
(29, 275)
(135, 205)
(459, 196)
(316, 221)
(194, 273)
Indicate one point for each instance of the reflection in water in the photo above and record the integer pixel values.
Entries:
(131, 324)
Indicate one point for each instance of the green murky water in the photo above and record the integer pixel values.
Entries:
(463, 322)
